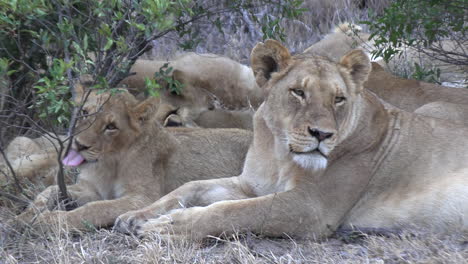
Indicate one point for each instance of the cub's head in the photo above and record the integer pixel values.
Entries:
(107, 125)
(312, 103)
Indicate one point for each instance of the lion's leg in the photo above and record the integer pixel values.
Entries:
(196, 193)
(279, 214)
(39, 204)
(98, 213)
(44, 201)
(83, 193)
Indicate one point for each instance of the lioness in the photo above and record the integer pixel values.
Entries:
(326, 153)
(128, 160)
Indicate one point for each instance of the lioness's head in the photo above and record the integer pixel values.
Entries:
(312, 102)
(107, 125)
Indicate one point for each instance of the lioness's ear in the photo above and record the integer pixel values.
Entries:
(146, 110)
(358, 64)
(267, 58)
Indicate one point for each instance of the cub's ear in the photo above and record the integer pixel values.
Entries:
(79, 92)
(81, 85)
(146, 110)
(267, 58)
(359, 66)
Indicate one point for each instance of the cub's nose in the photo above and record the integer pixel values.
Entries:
(79, 146)
(319, 135)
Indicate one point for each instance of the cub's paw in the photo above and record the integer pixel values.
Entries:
(128, 223)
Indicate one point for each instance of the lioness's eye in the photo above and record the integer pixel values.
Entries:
(84, 112)
(339, 99)
(111, 126)
(298, 92)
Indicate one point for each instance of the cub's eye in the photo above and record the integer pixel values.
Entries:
(111, 126)
(339, 99)
(298, 92)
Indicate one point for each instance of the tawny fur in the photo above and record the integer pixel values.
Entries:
(221, 118)
(341, 40)
(136, 163)
(410, 94)
(32, 159)
(384, 167)
(210, 81)
(457, 113)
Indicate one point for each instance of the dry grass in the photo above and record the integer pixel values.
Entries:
(106, 246)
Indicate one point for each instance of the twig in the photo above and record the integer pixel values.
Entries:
(14, 198)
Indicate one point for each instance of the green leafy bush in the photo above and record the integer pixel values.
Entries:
(436, 29)
(46, 45)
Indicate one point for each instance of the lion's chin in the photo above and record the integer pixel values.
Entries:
(313, 161)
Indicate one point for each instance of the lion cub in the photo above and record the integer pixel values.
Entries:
(127, 160)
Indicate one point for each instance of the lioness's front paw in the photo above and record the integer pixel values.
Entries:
(180, 223)
(128, 222)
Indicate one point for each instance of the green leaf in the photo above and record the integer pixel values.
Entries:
(108, 44)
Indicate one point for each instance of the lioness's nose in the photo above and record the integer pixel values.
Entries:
(79, 146)
(319, 135)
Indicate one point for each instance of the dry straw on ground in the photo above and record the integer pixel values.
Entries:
(106, 246)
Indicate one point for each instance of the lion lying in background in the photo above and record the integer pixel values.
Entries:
(210, 82)
(341, 40)
(32, 159)
(127, 161)
(326, 153)
(410, 94)
(457, 113)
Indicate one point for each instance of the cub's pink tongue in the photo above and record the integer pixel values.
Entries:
(73, 158)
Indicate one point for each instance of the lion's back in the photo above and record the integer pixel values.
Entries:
(208, 153)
